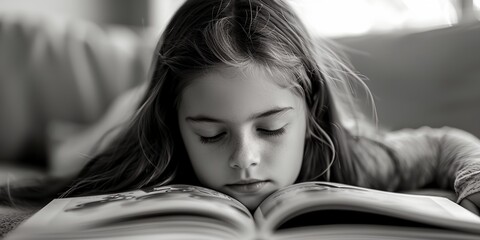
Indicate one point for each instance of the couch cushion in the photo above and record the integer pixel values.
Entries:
(422, 78)
(61, 71)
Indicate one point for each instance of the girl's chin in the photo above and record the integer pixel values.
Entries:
(251, 204)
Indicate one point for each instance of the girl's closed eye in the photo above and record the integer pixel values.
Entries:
(212, 139)
(273, 132)
(263, 131)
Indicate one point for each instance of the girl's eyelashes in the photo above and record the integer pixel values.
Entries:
(272, 133)
(265, 132)
(212, 139)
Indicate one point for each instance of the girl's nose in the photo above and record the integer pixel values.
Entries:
(246, 154)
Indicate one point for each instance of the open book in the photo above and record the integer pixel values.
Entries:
(311, 210)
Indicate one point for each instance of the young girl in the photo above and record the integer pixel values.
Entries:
(242, 100)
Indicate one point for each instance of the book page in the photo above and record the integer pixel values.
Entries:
(135, 199)
(188, 202)
(314, 196)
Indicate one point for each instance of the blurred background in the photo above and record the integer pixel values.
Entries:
(324, 17)
(63, 62)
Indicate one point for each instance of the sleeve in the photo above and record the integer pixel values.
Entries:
(409, 159)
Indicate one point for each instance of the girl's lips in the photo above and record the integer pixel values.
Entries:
(251, 186)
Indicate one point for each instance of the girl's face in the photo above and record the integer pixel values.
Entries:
(244, 133)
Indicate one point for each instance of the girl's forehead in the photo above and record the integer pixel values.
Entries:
(250, 79)
(235, 93)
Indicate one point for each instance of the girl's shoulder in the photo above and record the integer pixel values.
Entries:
(425, 133)
(443, 135)
(414, 142)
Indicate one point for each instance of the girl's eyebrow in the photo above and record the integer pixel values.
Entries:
(274, 111)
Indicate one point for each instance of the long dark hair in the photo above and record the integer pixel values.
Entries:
(205, 34)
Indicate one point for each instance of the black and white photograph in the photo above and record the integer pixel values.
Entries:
(239, 119)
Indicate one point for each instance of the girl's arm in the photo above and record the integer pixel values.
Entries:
(409, 159)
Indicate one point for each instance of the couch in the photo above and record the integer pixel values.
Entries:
(56, 78)
(422, 78)
(59, 76)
